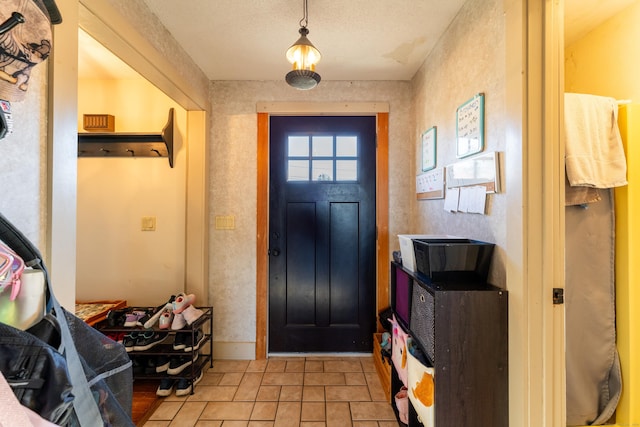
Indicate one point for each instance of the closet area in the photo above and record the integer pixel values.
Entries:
(602, 294)
(132, 179)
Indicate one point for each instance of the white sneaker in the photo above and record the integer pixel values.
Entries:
(191, 314)
(178, 322)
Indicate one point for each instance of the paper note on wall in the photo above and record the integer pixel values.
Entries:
(472, 199)
(451, 199)
(466, 199)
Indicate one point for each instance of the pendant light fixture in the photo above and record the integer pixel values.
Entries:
(304, 57)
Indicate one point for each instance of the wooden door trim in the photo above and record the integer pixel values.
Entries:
(262, 223)
(262, 228)
(382, 212)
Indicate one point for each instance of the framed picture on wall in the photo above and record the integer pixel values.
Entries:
(428, 146)
(470, 127)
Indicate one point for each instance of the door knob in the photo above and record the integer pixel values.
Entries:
(274, 252)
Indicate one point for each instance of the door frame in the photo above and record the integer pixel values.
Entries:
(265, 110)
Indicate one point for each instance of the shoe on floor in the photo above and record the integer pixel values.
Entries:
(191, 314)
(166, 387)
(184, 386)
(197, 337)
(177, 364)
(149, 339)
(183, 301)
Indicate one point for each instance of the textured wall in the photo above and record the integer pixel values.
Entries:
(233, 183)
(23, 162)
(470, 58)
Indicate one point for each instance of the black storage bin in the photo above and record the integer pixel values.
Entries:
(423, 319)
(453, 260)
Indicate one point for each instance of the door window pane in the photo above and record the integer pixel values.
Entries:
(298, 170)
(346, 170)
(317, 158)
(322, 170)
(298, 146)
(347, 146)
(322, 146)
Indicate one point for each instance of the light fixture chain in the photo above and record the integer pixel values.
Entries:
(305, 11)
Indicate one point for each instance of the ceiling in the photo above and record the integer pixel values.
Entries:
(358, 39)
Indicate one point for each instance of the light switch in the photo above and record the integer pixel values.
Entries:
(148, 223)
(225, 222)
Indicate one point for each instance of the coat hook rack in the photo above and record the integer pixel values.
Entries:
(120, 144)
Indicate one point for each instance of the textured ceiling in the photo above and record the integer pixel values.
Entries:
(358, 39)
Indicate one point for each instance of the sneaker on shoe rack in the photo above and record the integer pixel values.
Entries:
(166, 387)
(198, 337)
(191, 314)
(178, 322)
(179, 341)
(137, 368)
(120, 337)
(148, 339)
(162, 364)
(150, 366)
(129, 341)
(116, 317)
(132, 318)
(183, 301)
(177, 364)
(157, 312)
(166, 318)
(145, 317)
(184, 386)
(113, 336)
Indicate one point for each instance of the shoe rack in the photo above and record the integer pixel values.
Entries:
(165, 348)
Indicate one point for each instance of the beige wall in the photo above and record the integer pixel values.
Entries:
(469, 58)
(116, 260)
(233, 187)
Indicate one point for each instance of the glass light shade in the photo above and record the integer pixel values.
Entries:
(303, 54)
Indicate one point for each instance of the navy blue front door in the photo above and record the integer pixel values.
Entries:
(322, 234)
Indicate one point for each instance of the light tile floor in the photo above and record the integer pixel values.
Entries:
(282, 392)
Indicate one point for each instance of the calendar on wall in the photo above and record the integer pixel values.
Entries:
(430, 185)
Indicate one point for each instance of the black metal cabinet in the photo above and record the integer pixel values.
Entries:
(462, 328)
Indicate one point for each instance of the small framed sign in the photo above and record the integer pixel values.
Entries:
(429, 138)
(470, 127)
